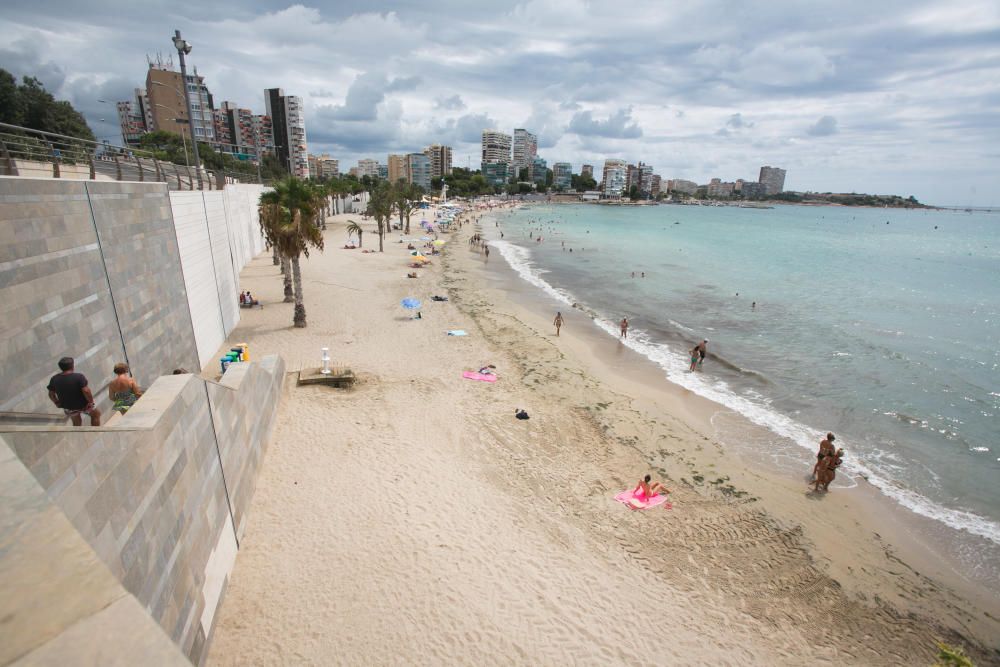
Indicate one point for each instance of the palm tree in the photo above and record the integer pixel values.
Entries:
(380, 207)
(354, 228)
(406, 197)
(288, 220)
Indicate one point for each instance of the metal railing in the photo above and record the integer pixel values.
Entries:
(28, 152)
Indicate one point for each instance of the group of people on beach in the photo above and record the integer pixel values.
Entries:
(70, 391)
(828, 459)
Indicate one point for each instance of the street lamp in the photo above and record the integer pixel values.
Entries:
(184, 48)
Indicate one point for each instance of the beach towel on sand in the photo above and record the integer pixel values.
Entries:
(479, 376)
(637, 500)
(457, 332)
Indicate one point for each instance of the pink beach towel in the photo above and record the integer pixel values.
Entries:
(479, 376)
(637, 500)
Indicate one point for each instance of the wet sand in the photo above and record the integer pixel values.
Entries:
(413, 519)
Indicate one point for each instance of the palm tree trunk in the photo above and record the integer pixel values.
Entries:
(381, 235)
(286, 270)
(299, 320)
(274, 255)
(360, 244)
(407, 224)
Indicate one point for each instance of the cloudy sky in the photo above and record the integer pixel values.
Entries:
(891, 96)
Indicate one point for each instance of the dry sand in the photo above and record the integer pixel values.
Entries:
(413, 519)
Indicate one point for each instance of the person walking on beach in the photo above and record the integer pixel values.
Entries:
(827, 470)
(558, 322)
(486, 251)
(702, 352)
(69, 391)
(623, 326)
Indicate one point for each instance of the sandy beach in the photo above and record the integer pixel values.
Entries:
(414, 519)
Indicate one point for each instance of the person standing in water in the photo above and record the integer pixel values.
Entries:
(624, 328)
(702, 351)
(558, 322)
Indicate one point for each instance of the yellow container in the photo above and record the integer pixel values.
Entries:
(246, 350)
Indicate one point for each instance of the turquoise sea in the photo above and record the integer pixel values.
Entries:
(880, 325)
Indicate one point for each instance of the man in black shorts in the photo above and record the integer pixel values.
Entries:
(69, 391)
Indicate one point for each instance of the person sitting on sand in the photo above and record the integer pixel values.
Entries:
(411, 275)
(487, 370)
(649, 490)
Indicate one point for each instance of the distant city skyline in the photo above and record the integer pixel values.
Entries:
(903, 102)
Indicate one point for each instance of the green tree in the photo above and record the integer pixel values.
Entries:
(289, 222)
(633, 193)
(30, 105)
(380, 207)
(406, 197)
(354, 228)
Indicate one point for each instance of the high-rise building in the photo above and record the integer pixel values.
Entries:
(367, 167)
(655, 183)
(773, 180)
(134, 118)
(496, 173)
(615, 173)
(587, 170)
(495, 152)
(399, 169)
(383, 171)
(250, 134)
(419, 167)
(289, 128)
(224, 135)
(525, 148)
(646, 180)
(440, 157)
(539, 171)
(167, 109)
(562, 175)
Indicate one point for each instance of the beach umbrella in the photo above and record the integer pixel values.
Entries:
(410, 303)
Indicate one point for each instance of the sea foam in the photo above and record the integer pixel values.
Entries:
(758, 410)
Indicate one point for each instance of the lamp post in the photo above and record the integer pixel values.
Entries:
(183, 138)
(184, 48)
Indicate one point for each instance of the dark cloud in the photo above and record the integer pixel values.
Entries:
(466, 129)
(736, 121)
(618, 125)
(366, 93)
(592, 80)
(823, 127)
(453, 103)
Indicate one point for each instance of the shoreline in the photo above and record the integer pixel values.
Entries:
(412, 518)
(881, 528)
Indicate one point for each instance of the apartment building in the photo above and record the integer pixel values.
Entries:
(562, 175)
(495, 152)
(419, 167)
(398, 168)
(167, 108)
(525, 149)
(539, 171)
(289, 128)
(440, 157)
(615, 174)
(773, 180)
(367, 167)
